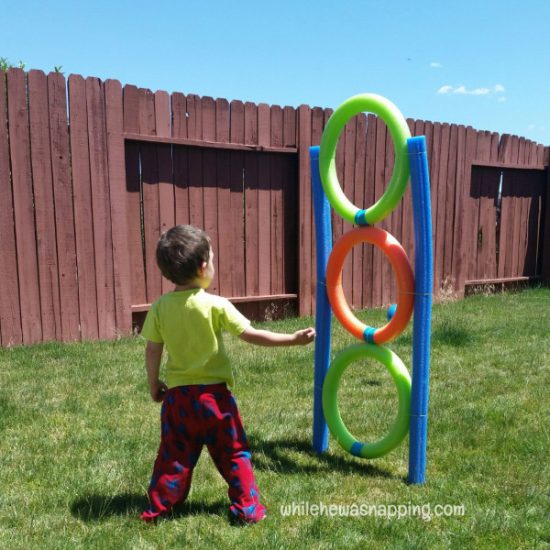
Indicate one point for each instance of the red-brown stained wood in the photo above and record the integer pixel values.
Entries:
(251, 185)
(236, 215)
(471, 214)
(223, 182)
(180, 159)
(82, 200)
(338, 227)
(10, 313)
(305, 270)
(457, 260)
(119, 214)
(441, 192)
(545, 223)
(150, 194)
(368, 200)
(379, 187)
(289, 217)
(434, 163)
(63, 199)
(265, 242)
(276, 209)
(449, 183)
(358, 199)
(407, 228)
(18, 120)
(389, 279)
(348, 185)
(101, 208)
(179, 115)
(44, 212)
(133, 197)
(210, 193)
(289, 125)
(164, 167)
(317, 124)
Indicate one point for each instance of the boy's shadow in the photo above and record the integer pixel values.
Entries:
(272, 455)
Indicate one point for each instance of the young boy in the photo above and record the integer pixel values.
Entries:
(198, 408)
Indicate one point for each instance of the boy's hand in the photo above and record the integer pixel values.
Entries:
(304, 336)
(157, 390)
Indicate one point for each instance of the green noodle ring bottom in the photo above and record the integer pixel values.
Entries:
(402, 379)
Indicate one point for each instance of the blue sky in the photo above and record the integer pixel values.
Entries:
(482, 63)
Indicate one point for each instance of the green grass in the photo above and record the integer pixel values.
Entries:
(79, 436)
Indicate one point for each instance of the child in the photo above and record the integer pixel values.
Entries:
(198, 408)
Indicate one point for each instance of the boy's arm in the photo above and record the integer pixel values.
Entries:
(268, 338)
(153, 355)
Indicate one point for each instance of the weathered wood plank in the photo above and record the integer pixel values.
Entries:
(25, 228)
(101, 208)
(10, 313)
(44, 210)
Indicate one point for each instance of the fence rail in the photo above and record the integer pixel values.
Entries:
(91, 172)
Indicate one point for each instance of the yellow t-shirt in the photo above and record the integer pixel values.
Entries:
(190, 324)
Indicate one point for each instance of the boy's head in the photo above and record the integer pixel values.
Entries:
(184, 254)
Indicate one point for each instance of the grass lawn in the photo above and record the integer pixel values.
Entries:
(79, 435)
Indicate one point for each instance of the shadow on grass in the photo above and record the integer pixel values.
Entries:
(285, 456)
(97, 507)
(274, 456)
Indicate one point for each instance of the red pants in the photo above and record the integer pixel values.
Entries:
(192, 416)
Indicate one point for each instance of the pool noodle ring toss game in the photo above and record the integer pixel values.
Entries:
(410, 159)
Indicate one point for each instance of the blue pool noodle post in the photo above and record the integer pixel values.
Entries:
(323, 314)
(420, 183)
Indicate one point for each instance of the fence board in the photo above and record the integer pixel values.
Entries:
(237, 200)
(10, 313)
(304, 213)
(167, 206)
(458, 207)
(276, 207)
(101, 208)
(210, 193)
(265, 242)
(388, 277)
(133, 198)
(118, 202)
(223, 179)
(149, 194)
(18, 121)
(348, 185)
(180, 159)
(358, 197)
(44, 212)
(368, 199)
(251, 185)
(82, 201)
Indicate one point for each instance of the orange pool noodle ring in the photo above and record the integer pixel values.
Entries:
(397, 256)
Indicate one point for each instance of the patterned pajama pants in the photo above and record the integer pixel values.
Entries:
(193, 416)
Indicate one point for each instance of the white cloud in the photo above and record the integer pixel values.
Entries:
(462, 90)
(445, 89)
(501, 99)
(436, 65)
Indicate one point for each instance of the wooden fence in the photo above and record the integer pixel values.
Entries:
(92, 172)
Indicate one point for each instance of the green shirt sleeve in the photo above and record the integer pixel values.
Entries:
(232, 320)
(150, 329)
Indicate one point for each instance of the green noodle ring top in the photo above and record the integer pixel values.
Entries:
(399, 131)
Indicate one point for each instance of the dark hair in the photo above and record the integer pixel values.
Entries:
(181, 251)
